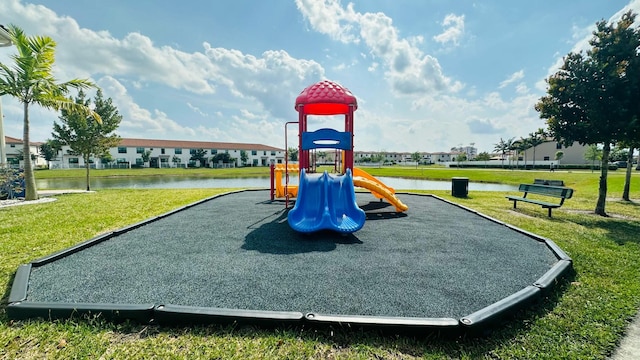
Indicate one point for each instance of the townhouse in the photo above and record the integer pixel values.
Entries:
(175, 153)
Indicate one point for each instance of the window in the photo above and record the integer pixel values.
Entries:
(139, 150)
(178, 151)
(73, 161)
(558, 146)
(121, 160)
(192, 151)
(273, 153)
(264, 153)
(254, 152)
(13, 145)
(162, 151)
(214, 151)
(546, 158)
(255, 162)
(122, 149)
(139, 161)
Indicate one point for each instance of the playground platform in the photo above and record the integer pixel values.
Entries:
(234, 259)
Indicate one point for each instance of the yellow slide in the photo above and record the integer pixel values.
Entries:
(363, 179)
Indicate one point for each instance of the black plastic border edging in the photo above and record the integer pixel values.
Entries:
(380, 321)
(498, 309)
(556, 272)
(19, 308)
(172, 314)
(20, 284)
(142, 313)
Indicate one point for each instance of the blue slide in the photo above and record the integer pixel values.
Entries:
(326, 202)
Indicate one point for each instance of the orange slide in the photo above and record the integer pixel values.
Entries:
(365, 180)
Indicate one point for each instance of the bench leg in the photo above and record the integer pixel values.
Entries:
(549, 212)
(514, 203)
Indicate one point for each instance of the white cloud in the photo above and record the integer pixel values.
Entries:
(137, 120)
(271, 80)
(453, 30)
(409, 71)
(518, 75)
(197, 110)
(580, 39)
(329, 17)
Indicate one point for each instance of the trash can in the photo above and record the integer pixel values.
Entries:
(459, 186)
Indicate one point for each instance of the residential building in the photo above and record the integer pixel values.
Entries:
(471, 151)
(546, 152)
(174, 153)
(13, 151)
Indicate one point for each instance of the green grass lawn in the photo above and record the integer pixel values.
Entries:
(584, 318)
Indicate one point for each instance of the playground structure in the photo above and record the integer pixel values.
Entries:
(326, 201)
(463, 275)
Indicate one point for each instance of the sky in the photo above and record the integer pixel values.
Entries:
(428, 75)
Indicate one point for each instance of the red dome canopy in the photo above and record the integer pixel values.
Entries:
(326, 98)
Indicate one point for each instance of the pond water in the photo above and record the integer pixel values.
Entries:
(176, 182)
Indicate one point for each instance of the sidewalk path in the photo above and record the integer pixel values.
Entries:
(630, 345)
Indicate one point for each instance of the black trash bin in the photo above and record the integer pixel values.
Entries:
(459, 186)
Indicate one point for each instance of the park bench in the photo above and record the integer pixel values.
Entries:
(548, 182)
(547, 190)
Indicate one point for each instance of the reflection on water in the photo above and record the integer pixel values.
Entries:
(178, 182)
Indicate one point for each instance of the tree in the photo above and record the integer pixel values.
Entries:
(618, 153)
(224, 158)
(49, 150)
(632, 145)
(593, 154)
(146, 156)
(199, 155)
(510, 147)
(176, 160)
(484, 156)
(536, 138)
(460, 158)
(514, 150)
(416, 156)
(322, 155)
(292, 153)
(502, 147)
(244, 157)
(523, 145)
(593, 98)
(558, 156)
(31, 80)
(627, 179)
(83, 134)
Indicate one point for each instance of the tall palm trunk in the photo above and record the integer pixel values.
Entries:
(602, 189)
(534, 158)
(31, 193)
(627, 178)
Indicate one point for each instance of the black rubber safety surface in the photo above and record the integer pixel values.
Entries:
(237, 251)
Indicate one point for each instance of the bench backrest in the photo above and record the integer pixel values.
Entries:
(555, 191)
(548, 182)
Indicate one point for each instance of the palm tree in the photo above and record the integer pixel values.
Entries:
(524, 145)
(31, 80)
(502, 148)
(535, 139)
(514, 148)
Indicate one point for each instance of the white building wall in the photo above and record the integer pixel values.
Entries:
(547, 151)
(127, 157)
